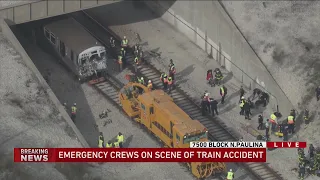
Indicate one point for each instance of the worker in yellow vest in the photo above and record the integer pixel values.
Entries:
(120, 139)
(124, 42)
(109, 144)
(291, 124)
(120, 62)
(230, 175)
(241, 106)
(150, 86)
(116, 144)
(73, 112)
(170, 83)
(123, 52)
(101, 140)
(274, 121)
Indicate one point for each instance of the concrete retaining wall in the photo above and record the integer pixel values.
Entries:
(208, 26)
(14, 41)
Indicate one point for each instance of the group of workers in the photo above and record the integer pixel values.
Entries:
(168, 81)
(137, 50)
(73, 110)
(116, 144)
(309, 164)
(216, 80)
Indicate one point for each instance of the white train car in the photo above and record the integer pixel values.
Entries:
(81, 52)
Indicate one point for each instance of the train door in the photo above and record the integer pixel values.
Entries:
(151, 117)
(171, 133)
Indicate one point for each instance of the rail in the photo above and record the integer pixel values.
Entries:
(217, 130)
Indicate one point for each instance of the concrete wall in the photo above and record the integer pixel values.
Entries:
(208, 26)
(28, 62)
(41, 9)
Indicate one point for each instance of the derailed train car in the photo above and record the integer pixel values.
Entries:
(79, 51)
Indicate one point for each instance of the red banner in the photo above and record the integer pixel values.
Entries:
(286, 144)
(139, 155)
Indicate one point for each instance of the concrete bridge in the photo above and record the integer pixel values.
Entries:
(40, 9)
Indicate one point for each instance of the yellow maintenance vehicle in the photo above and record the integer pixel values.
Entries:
(156, 110)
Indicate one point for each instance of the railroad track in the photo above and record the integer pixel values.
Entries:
(217, 130)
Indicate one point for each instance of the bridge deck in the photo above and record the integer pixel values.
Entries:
(40, 9)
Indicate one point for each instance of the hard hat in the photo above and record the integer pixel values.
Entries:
(64, 104)
(75, 104)
(141, 78)
(242, 97)
(207, 94)
(149, 81)
(124, 37)
(230, 170)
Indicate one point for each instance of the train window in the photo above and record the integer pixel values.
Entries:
(143, 107)
(151, 110)
(53, 38)
(47, 33)
(178, 137)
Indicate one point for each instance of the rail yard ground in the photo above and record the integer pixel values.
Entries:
(90, 104)
(286, 37)
(265, 24)
(164, 43)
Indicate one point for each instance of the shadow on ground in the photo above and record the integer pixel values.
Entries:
(121, 8)
(67, 90)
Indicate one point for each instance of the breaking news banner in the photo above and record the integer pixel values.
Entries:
(243, 144)
(139, 155)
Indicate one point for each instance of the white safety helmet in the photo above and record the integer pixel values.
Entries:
(75, 104)
(230, 170)
(124, 37)
(242, 97)
(141, 78)
(207, 94)
(149, 81)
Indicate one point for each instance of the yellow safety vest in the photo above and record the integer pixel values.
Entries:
(222, 89)
(125, 42)
(242, 103)
(116, 144)
(150, 86)
(290, 120)
(73, 109)
(100, 143)
(170, 80)
(108, 145)
(230, 176)
(136, 60)
(120, 138)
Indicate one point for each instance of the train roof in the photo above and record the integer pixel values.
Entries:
(178, 116)
(72, 34)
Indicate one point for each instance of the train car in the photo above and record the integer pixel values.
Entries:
(162, 117)
(81, 52)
